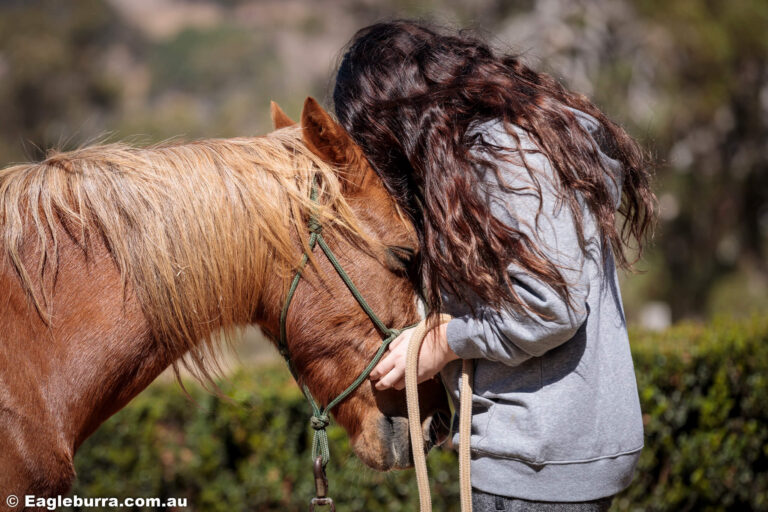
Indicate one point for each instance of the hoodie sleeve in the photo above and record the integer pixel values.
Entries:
(511, 337)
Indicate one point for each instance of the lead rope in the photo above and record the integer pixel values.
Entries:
(414, 421)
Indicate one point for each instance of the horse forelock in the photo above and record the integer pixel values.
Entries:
(195, 228)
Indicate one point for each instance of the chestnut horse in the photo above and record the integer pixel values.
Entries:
(118, 262)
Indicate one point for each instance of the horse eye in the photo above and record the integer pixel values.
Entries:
(400, 256)
(405, 254)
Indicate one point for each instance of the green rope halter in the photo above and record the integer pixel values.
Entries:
(320, 415)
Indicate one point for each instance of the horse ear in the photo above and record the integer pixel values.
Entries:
(279, 118)
(331, 142)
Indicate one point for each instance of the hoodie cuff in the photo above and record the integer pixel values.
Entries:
(462, 335)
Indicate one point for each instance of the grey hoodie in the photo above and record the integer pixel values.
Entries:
(555, 411)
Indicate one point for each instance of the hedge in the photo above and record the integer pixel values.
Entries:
(703, 389)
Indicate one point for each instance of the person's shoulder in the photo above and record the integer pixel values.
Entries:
(511, 136)
(510, 139)
(612, 167)
(587, 121)
(509, 158)
(502, 135)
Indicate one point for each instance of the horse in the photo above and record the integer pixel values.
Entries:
(117, 262)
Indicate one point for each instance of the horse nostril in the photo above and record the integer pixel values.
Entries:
(396, 444)
(394, 435)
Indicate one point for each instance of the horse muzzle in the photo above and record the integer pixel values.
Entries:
(390, 448)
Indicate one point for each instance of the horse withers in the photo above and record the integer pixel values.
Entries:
(117, 262)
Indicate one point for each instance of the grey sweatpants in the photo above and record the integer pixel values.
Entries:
(484, 502)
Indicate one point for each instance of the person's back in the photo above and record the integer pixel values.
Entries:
(556, 415)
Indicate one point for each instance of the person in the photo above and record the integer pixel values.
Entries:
(514, 185)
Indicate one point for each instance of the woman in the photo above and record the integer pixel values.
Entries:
(513, 184)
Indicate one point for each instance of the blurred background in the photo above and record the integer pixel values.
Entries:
(688, 78)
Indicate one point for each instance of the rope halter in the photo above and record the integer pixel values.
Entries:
(320, 415)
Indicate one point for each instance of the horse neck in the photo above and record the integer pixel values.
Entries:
(64, 377)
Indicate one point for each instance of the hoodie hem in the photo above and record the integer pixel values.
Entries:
(555, 482)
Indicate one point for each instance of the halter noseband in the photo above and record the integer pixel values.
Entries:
(320, 416)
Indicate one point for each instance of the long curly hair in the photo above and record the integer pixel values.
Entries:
(409, 94)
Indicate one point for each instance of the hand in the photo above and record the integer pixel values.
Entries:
(433, 356)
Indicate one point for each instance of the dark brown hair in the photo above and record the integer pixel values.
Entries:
(408, 94)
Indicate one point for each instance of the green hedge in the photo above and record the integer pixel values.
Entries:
(704, 393)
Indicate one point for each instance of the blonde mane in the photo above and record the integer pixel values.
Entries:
(195, 228)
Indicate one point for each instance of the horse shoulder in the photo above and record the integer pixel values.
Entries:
(33, 459)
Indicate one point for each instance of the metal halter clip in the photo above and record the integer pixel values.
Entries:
(321, 498)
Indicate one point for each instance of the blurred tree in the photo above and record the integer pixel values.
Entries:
(714, 142)
(52, 73)
(689, 78)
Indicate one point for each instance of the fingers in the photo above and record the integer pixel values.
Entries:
(390, 358)
(383, 367)
(394, 379)
(390, 371)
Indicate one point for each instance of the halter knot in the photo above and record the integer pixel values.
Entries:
(320, 422)
(314, 225)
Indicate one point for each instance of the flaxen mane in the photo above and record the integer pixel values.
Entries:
(195, 228)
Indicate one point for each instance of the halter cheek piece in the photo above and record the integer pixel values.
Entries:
(320, 415)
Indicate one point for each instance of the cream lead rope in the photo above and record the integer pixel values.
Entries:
(414, 421)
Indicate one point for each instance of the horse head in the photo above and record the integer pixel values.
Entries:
(329, 337)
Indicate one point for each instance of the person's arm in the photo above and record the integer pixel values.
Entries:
(510, 337)
(506, 336)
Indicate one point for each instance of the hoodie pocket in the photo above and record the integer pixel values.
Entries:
(503, 422)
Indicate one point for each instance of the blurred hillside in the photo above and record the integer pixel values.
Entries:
(688, 78)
